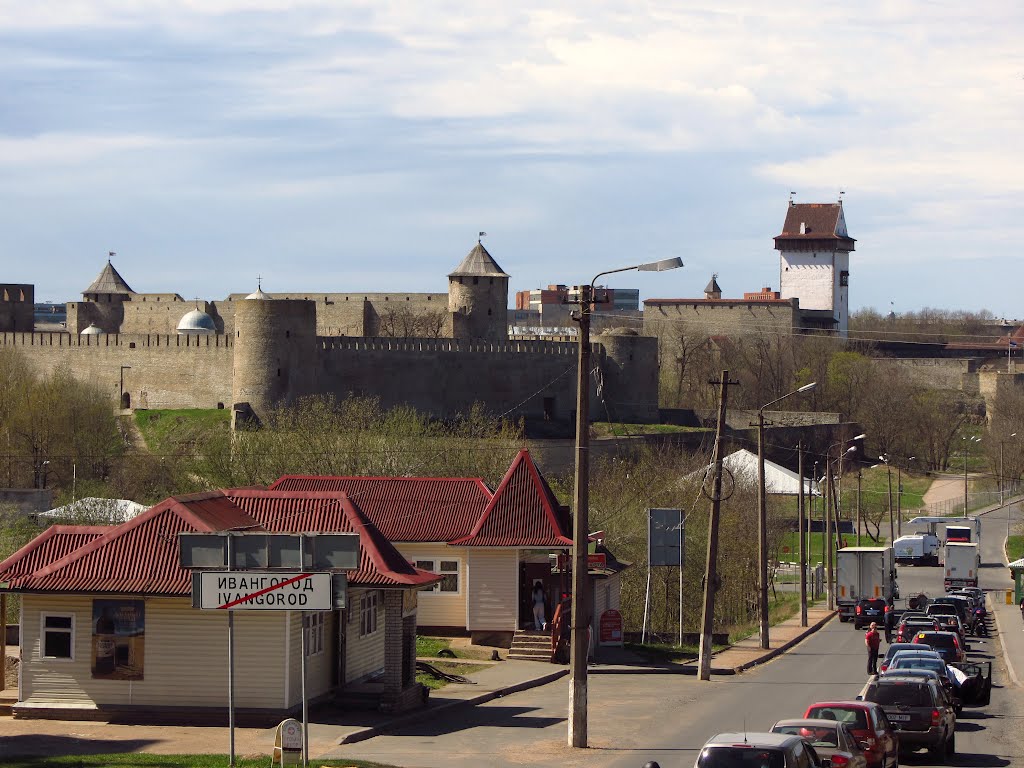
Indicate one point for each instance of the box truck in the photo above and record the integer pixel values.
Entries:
(961, 563)
(864, 572)
(917, 549)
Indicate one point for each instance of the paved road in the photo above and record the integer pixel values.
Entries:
(635, 718)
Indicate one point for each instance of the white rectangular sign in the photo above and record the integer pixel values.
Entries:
(264, 591)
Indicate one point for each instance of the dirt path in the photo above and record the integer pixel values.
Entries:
(945, 488)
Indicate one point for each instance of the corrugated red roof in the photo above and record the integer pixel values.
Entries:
(522, 513)
(52, 544)
(407, 508)
(141, 555)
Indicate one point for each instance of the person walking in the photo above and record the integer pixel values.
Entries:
(872, 641)
(540, 621)
(889, 621)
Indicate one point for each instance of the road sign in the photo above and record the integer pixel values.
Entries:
(261, 591)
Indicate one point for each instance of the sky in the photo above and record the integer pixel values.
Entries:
(337, 145)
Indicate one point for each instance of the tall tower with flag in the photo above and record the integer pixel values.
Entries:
(814, 260)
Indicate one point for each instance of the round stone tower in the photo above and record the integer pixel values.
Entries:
(478, 298)
(274, 355)
(630, 375)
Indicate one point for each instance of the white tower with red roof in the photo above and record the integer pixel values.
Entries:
(814, 260)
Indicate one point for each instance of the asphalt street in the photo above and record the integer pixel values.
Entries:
(636, 718)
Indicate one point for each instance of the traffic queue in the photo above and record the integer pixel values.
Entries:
(910, 701)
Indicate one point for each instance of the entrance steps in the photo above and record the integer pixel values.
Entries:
(531, 645)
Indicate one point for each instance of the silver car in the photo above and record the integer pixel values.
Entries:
(831, 739)
(757, 750)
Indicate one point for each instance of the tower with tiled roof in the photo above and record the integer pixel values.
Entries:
(478, 298)
(814, 260)
(102, 302)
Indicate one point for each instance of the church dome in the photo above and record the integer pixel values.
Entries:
(92, 330)
(196, 323)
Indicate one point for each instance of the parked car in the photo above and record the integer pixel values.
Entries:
(869, 609)
(948, 616)
(946, 644)
(908, 628)
(832, 740)
(869, 726)
(892, 650)
(757, 750)
(919, 711)
(906, 664)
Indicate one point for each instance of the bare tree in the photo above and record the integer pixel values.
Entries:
(405, 322)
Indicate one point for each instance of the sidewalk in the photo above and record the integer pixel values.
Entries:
(329, 728)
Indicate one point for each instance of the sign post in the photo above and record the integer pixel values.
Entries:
(665, 529)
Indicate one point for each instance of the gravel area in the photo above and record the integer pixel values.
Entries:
(10, 673)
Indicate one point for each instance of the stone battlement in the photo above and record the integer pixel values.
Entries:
(130, 340)
(389, 344)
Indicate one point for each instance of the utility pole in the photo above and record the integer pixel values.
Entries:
(892, 525)
(810, 536)
(828, 535)
(801, 527)
(711, 568)
(860, 475)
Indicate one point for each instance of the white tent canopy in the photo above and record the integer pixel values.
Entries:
(777, 479)
(97, 510)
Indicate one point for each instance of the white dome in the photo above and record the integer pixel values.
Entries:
(196, 323)
(92, 330)
(259, 294)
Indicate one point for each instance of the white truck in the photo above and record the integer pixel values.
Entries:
(862, 573)
(917, 549)
(961, 561)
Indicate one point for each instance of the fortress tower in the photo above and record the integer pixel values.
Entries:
(275, 360)
(478, 298)
(103, 304)
(814, 260)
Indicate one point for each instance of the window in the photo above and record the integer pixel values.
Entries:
(449, 569)
(313, 633)
(844, 278)
(368, 614)
(58, 636)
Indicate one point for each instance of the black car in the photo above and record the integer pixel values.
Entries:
(919, 711)
(908, 628)
(868, 609)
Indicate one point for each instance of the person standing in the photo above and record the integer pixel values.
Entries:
(872, 641)
(889, 620)
(539, 612)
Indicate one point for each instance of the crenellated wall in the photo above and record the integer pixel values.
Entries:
(159, 371)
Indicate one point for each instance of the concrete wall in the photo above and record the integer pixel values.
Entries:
(936, 373)
(809, 275)
(164, 371)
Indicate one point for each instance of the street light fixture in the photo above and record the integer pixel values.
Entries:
(762, 515)
(967, 445)
(581, 503)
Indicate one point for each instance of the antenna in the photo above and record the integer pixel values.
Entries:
(744, 729)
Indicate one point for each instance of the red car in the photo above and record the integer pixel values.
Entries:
(869, 726)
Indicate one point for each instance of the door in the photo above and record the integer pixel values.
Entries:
(976, 690)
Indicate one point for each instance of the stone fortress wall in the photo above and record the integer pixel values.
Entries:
(17, 301)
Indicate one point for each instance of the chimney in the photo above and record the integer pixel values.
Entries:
(803, 228)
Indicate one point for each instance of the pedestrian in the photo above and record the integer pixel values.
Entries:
(539, 612)
(872, 641)
(890, 620)
(1022, 607)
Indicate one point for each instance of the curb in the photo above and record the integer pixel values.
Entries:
(773, 652)
(1006, 656)
(429, 712)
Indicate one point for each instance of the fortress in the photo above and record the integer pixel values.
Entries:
(251, 353)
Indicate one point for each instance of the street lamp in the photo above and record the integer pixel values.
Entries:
(827, 544)
(1001, 497)
(888, 471)
(899, 495)
(967, 445)
(581, 501)
(762, 514)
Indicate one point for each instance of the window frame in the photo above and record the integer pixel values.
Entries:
(428, 564)
(314, 629)
(69, 631)
(368, 608)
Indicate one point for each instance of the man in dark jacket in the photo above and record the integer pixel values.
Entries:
(890, 620)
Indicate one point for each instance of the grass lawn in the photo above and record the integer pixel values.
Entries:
(665, 652)
(452, 668)
(166, 429)
(616, 429)
(133, 760)
(1015, 548)
(790, 548)
(429, 646)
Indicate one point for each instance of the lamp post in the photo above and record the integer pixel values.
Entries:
(1001, 497)
(762, 514)
(899, 495)
(967, 445)
(884, 458)
(581, 500)
(830, 581)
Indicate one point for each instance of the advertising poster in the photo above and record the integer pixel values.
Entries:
(118, 639)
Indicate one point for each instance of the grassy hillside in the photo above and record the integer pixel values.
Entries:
(167, 430)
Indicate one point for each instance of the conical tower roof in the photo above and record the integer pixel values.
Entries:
(478, 263)
(109, 281)
(713, 286)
